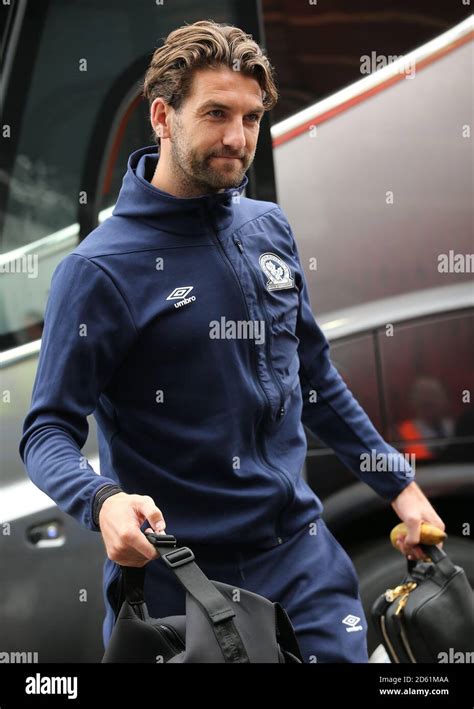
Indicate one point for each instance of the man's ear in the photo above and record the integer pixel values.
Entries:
(160, 113)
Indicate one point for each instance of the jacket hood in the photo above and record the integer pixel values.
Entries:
(139, 199)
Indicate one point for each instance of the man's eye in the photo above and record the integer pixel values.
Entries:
(218, 113)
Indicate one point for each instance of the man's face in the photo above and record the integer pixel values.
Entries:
(214, 134)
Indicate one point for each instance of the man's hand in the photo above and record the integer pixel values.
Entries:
(413, 508)
(120, 519)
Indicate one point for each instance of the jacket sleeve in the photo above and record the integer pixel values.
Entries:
(332, 413)
(88, 329)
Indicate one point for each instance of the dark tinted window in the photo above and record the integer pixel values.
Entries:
(429, 385)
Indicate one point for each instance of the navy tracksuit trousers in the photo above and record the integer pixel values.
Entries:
(310, 575)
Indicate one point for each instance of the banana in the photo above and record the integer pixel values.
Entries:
(428, 534)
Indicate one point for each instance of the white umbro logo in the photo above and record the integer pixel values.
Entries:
(180, 294)
(351, 621)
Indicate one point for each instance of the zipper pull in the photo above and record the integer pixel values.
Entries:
(402, 603)
(392, 593)
(239, 245)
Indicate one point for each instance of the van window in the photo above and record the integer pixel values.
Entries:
(429, 387)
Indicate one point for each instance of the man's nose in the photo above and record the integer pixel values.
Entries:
(234, 137)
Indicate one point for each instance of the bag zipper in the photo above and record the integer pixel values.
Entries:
(406, 642)
(387, 639)
(399, 613)
(173, 638)
(391, 594)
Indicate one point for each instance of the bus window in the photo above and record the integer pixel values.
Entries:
(73, 69)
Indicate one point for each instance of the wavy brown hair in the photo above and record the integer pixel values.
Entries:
(200, 45)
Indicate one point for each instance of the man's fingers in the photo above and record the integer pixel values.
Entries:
(437, 522)
(411, 551)
(414, 528)
(122, 517)
(137, 540)
(152, 513)
(417, 552)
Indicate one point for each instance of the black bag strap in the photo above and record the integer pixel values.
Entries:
(180, 560)
(132, 578)
(286, 634)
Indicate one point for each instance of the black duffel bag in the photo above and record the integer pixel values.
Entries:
(216, 628)
(429, 617)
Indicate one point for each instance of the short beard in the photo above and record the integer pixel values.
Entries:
(194, 172)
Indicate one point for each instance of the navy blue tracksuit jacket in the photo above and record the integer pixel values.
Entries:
(185, 326)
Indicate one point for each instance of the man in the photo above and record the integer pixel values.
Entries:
(184, 323)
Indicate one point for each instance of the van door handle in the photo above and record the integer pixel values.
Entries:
(47, 534)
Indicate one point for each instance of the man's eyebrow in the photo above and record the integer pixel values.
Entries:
(223, 106)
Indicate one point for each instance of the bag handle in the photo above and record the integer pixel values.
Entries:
(430, 536)
(438, 557)
(180, 560)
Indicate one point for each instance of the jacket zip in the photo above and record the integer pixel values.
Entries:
(261, 448)
(281, 410)
(240, 246)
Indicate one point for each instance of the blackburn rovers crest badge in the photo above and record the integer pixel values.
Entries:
(276, 270)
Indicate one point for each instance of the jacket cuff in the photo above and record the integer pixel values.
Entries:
(100, 497)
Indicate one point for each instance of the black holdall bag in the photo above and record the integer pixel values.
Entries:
(215, 629)
(429, 617)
